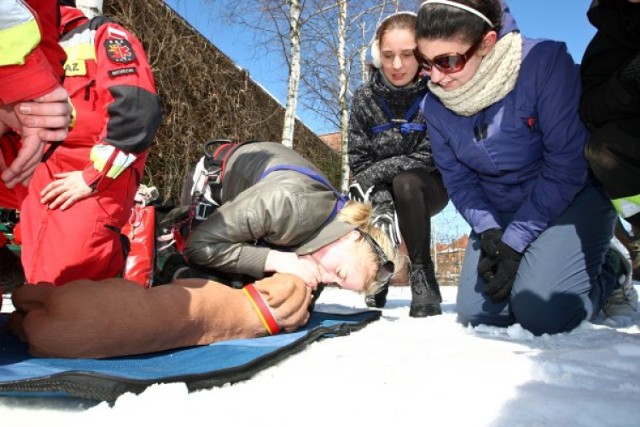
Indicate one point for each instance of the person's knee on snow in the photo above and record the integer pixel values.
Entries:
(560, 313)
(474, 310)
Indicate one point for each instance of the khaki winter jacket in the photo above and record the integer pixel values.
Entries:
(285, 210)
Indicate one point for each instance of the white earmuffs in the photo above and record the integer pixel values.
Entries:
(374, 51)
(376, 61)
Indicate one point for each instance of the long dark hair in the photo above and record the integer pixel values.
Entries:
(440, 21)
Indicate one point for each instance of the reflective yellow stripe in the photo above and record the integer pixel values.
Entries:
(100, 155)
(82, 51)
(627, 206)
(18, 41)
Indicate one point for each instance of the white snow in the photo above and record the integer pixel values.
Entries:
(399, 370)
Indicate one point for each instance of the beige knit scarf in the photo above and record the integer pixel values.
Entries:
(495, 78)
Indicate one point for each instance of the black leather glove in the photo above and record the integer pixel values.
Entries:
(508, 261)
(488, 247)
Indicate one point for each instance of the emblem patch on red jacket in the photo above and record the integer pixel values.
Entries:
(119, 51)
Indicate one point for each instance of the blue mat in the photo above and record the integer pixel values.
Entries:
(198, 367)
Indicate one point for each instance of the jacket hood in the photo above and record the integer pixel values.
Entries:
(509, 24)
(618, 19)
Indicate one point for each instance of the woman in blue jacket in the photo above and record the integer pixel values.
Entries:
(507, 138)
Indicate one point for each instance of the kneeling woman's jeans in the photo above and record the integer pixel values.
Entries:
(561, 280)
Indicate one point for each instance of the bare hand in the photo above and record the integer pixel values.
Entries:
(29, 157)
(289, 298)
(50, 114)
(43, 119)
(288, 262)
(67, 189)
(8, 119)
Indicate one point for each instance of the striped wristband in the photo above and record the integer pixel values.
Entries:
(262, 308)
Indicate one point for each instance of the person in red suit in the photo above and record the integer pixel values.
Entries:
(34, 106)
(82, 194)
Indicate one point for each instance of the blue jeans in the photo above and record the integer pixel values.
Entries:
(562, 279)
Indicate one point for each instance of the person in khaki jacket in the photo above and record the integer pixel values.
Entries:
(281, 225)
(279, 214)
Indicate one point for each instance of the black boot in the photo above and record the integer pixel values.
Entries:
(379, 299)
(425, 291)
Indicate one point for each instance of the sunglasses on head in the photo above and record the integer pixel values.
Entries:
(386, 268)
(449, 62)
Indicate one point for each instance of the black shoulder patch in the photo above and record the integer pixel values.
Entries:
(119, 51)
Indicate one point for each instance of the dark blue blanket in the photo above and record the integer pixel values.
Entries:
(198, 367)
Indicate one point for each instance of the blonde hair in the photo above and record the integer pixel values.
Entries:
(361, 215)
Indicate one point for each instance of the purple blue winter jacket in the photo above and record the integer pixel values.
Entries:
(530, 161)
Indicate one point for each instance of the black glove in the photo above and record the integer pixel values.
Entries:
(488, 247)
(508, 261)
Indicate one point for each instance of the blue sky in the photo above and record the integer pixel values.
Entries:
(554, 19)
(563, 20)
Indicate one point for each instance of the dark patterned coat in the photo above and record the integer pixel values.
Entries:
(375, 159)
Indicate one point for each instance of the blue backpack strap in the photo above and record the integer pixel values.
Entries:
(387, 111)
(407, 127)
(403, 124)
(341, 199)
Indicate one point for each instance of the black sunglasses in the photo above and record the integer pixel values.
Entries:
(386, 268)
(449, 62)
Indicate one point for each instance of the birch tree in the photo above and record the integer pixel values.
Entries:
(324, 60)
(280, 24)
(327, 82)
(288, 128)
(342, 95)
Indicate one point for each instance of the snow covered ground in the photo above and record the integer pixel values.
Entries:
(401, 371)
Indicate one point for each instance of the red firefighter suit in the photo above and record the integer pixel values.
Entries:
(117, 114)
(30, 66)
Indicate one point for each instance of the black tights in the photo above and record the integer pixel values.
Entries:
(418, 195)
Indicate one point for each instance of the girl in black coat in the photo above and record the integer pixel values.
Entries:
(390, 155)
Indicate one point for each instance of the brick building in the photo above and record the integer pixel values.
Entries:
(448, 259)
